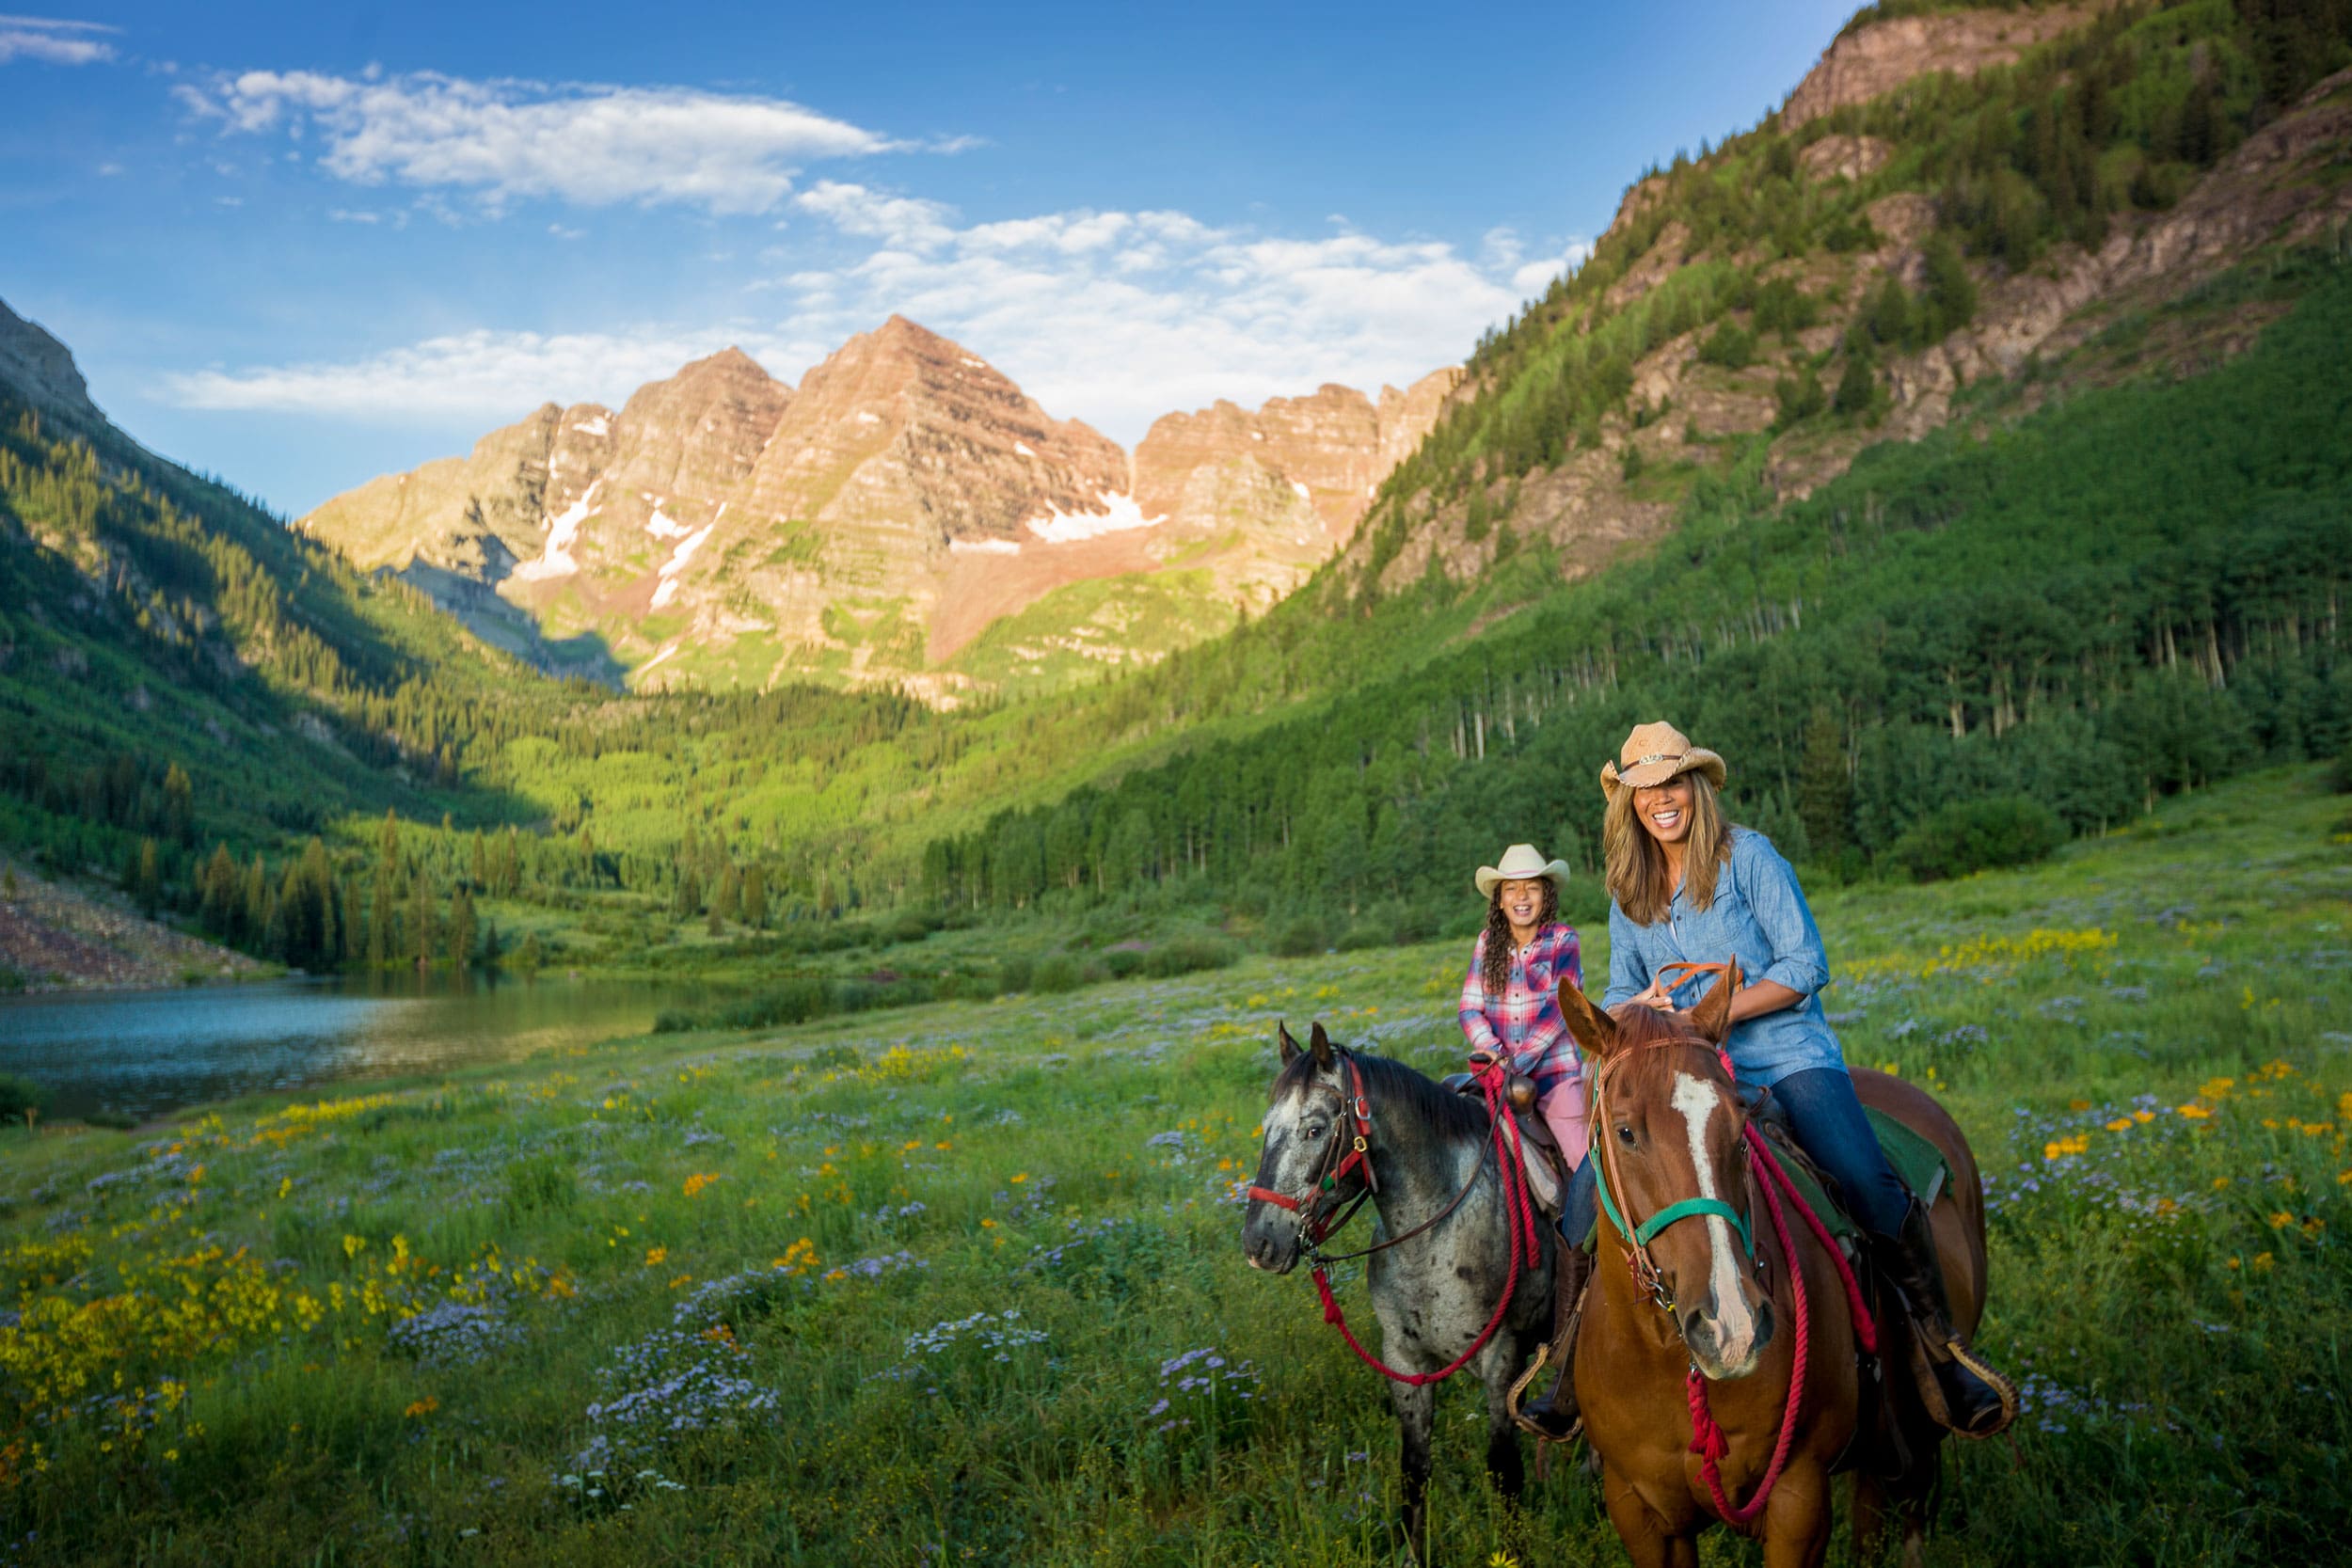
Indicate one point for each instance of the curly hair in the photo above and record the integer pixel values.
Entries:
(1494, 953)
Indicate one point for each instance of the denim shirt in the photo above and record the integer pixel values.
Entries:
(1759, 916)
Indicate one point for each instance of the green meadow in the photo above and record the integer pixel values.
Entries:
(960, 1283)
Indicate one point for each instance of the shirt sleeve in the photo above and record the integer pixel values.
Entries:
(1628, 969)
(1769, 883)
(1475, 1029)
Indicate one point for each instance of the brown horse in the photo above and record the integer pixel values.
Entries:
(1668, 1128)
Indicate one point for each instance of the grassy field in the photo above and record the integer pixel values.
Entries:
(961, 1284)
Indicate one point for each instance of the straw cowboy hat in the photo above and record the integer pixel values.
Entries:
(1521, 862)
(1654, 753)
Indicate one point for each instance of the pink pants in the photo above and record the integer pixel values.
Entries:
(1564, 1112)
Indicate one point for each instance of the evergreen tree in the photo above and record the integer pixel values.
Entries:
(461, 929)
(1825, 788)
(148, 884)
(532, 955)
(1857, 387)
(753, 910)
(421, 922)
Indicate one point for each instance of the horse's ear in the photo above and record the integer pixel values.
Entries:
(1290, 1046)
(1711, 1018)
(1321, 1043)
(1592, 1030)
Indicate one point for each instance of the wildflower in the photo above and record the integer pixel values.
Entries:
(2196, 1113)
(1020, 1176)
(2143, 1116)
(2121, 1124)
(656, 1257)
(422, 1408)
(696, 1182)
(2263, 1260)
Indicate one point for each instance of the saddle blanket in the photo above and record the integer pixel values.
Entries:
(1918, 1161)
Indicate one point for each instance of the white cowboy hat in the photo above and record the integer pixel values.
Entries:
(1654, 753)
(1521, 862)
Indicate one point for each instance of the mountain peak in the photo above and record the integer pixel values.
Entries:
(40, 369)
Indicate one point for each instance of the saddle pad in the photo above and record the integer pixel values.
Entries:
(1917, 1161)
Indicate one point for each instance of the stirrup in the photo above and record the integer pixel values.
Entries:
(2003, 1389)
(1513, 1408)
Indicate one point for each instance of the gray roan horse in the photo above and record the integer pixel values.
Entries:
(1438, 1286)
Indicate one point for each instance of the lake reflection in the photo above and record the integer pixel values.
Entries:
(152, 1052)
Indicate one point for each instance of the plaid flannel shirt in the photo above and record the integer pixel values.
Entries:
(1524, 1022)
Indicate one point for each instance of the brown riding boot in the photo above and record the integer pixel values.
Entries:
(1959, 1388)
(1554, 1415)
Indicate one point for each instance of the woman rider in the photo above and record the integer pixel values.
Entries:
(1685, 886)
(1511, 1010)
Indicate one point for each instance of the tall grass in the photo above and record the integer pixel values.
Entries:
(960, 1283)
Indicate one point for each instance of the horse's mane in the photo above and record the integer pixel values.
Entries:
(1388, 1083)
(1641, 1071)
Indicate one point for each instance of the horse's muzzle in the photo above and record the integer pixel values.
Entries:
(1727, 1345)
(1269, 1239)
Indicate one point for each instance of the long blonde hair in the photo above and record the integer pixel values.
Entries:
(1637, 874)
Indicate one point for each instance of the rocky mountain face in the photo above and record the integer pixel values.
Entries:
(869, 525)
(41, 371)
(1763, 356)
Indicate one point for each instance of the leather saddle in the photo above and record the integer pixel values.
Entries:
(1547, 1171)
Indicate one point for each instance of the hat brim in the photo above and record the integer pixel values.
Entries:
(1488, 878)
(1698, 759)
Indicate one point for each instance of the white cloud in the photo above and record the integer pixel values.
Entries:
(504, 140)
(493, 378)
(54, 40)
(1535, 277)
(1115, 317)
(1119, 317)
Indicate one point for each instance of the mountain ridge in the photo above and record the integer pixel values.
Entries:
(723, 527)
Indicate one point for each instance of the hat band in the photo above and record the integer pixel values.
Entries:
(1657, 756)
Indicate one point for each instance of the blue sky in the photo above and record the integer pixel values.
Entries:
(298, 245)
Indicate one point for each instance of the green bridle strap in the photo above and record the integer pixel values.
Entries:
(1666, 1216)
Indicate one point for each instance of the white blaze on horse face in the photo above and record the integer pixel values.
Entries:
(1697, 1100)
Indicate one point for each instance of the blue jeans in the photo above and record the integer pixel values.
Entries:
(1830, 1127)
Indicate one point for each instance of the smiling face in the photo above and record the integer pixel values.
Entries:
(1664, 810)
(1521, 899)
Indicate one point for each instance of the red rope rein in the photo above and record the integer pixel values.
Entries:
(1519, 1216)
(1706, 1437)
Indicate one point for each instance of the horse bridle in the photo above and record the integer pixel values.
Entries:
(1646, 1276)
(1315, 1225)
(1311, 1204)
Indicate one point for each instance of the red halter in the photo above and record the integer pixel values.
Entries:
(1325, 1182)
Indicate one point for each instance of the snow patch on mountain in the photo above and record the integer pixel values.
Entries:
(562, 530)
(1118, 513)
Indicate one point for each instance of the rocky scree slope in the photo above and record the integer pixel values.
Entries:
(723, 529)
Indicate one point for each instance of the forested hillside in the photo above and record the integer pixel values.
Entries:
(2130, 593)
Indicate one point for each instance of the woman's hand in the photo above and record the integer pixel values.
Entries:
(1655, 997)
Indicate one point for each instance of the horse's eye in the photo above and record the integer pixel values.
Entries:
(1624, 1136)
(1314, 1131)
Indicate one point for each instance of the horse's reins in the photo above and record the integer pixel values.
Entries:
(1315, 1227)
(1707, 1435)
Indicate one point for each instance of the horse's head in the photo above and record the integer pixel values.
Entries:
(1667, 1129)
(1306, 1112)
